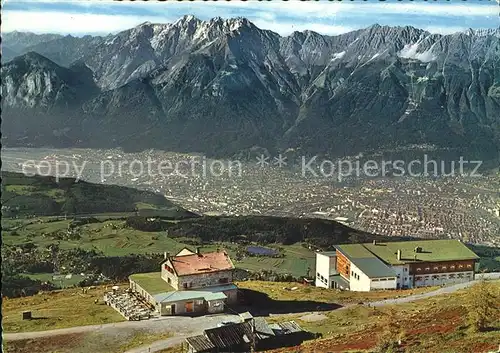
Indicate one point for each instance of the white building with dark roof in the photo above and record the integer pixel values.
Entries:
(393, 265)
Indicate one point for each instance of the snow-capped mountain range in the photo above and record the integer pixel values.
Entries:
(224, 86)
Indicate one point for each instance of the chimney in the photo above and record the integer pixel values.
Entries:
(399, 255)
(374, 242)
(166, 255)
(198, 251)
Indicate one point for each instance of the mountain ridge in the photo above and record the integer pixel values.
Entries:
(378, 87)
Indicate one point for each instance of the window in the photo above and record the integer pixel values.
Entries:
(436, 268)
(469, 266)
(427, 268)
(460, 266)
(406, 279)
(185, 285)
(443, 268)
(452, 267)
(317, 275)
(169, 269)
(224, 280)
(375, 280)
(419, 269)
(405, 269)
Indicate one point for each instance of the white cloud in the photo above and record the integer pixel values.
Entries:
(326, 9)
(76, 23)
(319, 9)
(444, 29)
(82, 23)
(282, 17)
(286, 28)
(440, 9)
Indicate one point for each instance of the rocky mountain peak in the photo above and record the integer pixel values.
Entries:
(188, 19)
(163, 84)
(32, 60)
(483, 32)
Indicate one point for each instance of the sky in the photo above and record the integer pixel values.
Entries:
(80, 17)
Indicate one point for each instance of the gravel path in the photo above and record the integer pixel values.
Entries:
(176, 324)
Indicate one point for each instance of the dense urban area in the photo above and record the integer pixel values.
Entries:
(466, 208)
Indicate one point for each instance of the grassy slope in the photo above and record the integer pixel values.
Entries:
(434, 325)
(69, 307)
(279, 291)
(430, 325)
(113, 238)
(58, 309)
(87, 342)
(117, 240)
(40, 195)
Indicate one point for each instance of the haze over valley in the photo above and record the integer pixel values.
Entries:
(275, 176)
(224, 87)
(466, 208)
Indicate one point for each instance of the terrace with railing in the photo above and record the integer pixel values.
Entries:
(129, 305)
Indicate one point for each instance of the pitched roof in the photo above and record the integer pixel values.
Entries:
(201, 263)
(341, 282)
(327, 253)
(151, 282)
(354, 251)
(286, 328)
(262, 328)
(175, 296)
(200, 343)
(366, 261)
(374, 268)
(237, 334)
(431, 251)
(185, 251)
(230, 335)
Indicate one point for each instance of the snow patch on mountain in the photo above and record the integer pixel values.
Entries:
(410, 51)
(337, 56)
